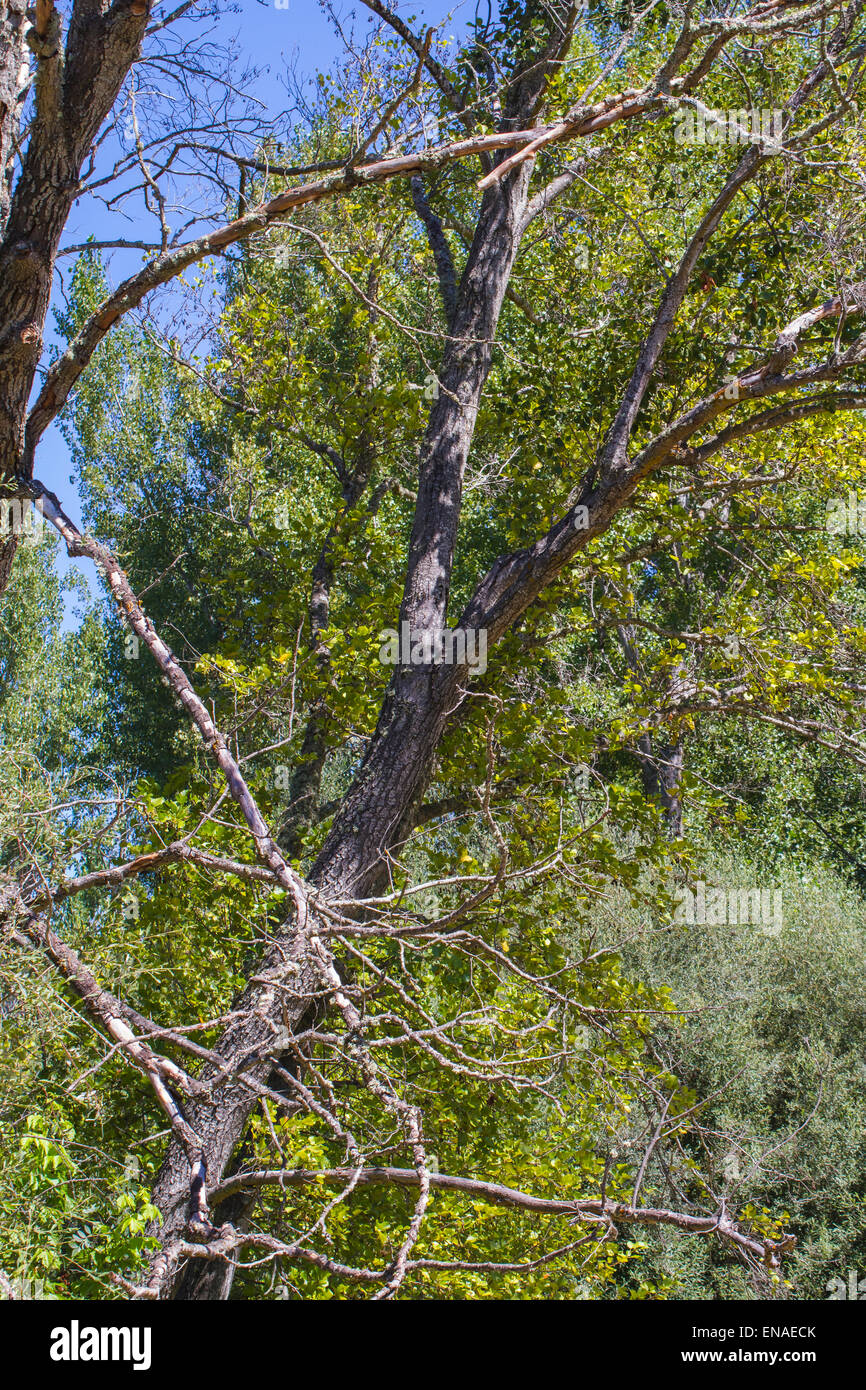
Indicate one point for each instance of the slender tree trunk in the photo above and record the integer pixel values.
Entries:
(14, 74)
(662, 772)
(661, 766)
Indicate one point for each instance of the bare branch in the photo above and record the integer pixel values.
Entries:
(580, 1209)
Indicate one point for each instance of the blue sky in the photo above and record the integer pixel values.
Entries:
(274, 37)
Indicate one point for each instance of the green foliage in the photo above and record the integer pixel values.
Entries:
(772, 1034)
(717, 612)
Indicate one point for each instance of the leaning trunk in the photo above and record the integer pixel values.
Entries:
(379, 810)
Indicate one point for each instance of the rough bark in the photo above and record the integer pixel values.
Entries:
(14, 77)
(75, 89)
(662, 771)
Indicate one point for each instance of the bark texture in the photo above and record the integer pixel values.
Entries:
(75, 87)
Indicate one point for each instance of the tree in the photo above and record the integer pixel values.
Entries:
(334, 998)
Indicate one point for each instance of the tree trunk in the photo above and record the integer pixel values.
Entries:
(662, 771)
(378, 812)
(14, 73)
(74, 92)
